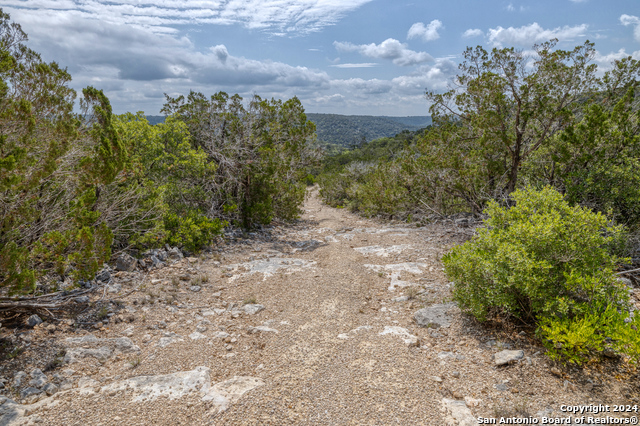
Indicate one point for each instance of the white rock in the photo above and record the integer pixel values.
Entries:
(197, 336)
(456, 413)
(252, 309)
(223, 394)
(382, 251)
(268, 267)
(169, 338)
(173, 386)
(407, 337)
(262, 328)
(507, 357)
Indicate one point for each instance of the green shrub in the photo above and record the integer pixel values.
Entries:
(546, 262)
(191, 231)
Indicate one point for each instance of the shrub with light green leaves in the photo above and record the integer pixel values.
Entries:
(549, 263)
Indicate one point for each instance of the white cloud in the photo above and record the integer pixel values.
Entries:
(632, 20)
(534, 33)
(472, 32)
(359, 65)
(510, 7)
(606, 60)
(281, 16)
(390, 49)
(426, 33)
(428, 77)
(135, 64)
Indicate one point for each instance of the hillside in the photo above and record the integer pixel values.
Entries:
(347, 130)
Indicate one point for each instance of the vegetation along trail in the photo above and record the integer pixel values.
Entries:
(311, 323)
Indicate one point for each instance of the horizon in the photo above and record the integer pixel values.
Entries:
(355, 57)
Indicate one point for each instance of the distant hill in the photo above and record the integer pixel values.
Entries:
(349, 130)
(155, 119)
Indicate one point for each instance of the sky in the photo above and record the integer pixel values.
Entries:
(354, 57)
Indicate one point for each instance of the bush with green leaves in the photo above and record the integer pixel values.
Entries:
(54, 164)
(546, 262)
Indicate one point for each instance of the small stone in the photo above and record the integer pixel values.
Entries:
(126, 262)
(555, 372)
(252, 309)
(195, 288)
(457, 395)
(18, 378)
(33, 320)
(434, 316)
(103, 276)
(456, 374)
(50, 389)
(38, 379)
(507, 357)
(436, 379)
(30, 394)
(174, 254)
(501, 387)
(471, 402)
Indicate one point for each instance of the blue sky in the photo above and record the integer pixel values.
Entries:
(362, 57)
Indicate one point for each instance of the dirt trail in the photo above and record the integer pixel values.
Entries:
(331, 343)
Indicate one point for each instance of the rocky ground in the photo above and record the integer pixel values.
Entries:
(333, 320)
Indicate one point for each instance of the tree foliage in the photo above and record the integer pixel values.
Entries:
(262, 153)
(548, 263)
(52, 164)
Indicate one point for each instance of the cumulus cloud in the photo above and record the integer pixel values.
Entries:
(390, 49)
(136, 64)
(426, 33)
(358, 65)
(280, 16)
(472, 32)
(605, 60)
(533, 33)
(632, 20)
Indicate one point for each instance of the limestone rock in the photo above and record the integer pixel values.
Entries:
(262, 328)
(456, 413)
(252, 309)
(78, 354)
(507, 357)
(434, 316)
(50, 389)
(223, 394)
(103, 276)
(174, 254)
(169, 338)
(18, 378)
(34, 320)
(407, 337)
(38, 378)
(31, 394)
(173, 386)
(126, 262)
(197, 336)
